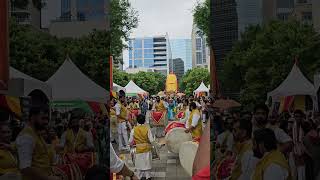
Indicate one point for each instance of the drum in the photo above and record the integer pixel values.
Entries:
(158, 118)
(223, 168)
(187, 153)
(180, 115)
(83, 160)
(173, 124)
(68, 172)
(175, 137)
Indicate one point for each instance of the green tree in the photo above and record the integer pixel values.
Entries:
(201, 17)
(264, 56)
(120, 77)
(193, 78)
(123, 19)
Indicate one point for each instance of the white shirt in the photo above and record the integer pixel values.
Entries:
(229, 141)
(118, 108)
(116, 164)
(25, 145)
(89, 140)
(275, 172)
(195, 119)
(186, 118)
(281, 136)
(248, 164)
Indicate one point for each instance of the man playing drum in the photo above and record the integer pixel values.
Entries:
(159, 107)
(142, 137)
(194, 125)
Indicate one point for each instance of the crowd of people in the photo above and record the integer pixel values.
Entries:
(65, 149)
(260, 146)
(132, 123)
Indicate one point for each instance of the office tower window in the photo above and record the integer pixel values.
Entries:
(148, 63)
(307, 16)
(138, 53)
(283, 16)
(138, 43)
(146, 55)
(198, 44)
(302, 1)
(66, 9)
(148, 51)
(130, 63)
(138, 63)
(285, 4)
(199, 58)
(148, 43)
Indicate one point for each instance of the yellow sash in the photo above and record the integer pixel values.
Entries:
(275, 157)
(197, 132)
(75, 142)
(8, 163)
(123, 113)
(242, 148)
(40, 155)
(160, 106)
(141, 138)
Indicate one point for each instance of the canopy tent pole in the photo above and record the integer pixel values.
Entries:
(4, 45)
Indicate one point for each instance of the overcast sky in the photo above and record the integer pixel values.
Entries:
(158, 17)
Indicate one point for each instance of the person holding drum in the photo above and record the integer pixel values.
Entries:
(142, 137)
(122, 117)
(194, 124)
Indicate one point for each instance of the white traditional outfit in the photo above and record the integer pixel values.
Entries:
(122, 114)
(116, 164)
(142, 136)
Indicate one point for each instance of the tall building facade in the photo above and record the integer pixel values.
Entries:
(224, 29)
(249, 12)
(182, 48)
(177, 67)
(75, 18)
(29, 15)
(151, 53)
(200, 49)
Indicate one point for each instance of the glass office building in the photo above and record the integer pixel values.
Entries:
(150, 52)
(182, 48)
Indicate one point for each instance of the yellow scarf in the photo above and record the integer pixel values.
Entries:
(241, 149)
(197, 131)
(75, 141)
(40, 155)
(141, 138)
(273, 157)
(8, 163)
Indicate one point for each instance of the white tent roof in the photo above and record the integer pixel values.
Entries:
(132, 88)
(295, 84)
(201, 88)
(117, 87)
(21, 84)
(69, 83)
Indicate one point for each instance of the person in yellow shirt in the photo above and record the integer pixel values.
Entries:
(245, 160)
(142, 136)
(194, 124)
(33, 154)
(75, 139)
(8, 162)
(272, 163)
(122, 118)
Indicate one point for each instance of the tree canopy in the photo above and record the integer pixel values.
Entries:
(264, 56)
(201, 17)
(40, 54)
(193, 78)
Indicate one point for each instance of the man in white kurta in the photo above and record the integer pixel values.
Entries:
(142, 137)
(122, 114)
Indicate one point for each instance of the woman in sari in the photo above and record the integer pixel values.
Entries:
(171, 110)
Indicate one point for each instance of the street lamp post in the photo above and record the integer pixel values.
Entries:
(4, 45)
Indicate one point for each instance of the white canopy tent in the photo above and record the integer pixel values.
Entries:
(116, 87)
(132, 89)
(21, 85)
(295, 84)
(69, 84)
(201, 88)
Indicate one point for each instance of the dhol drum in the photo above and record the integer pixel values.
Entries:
(187, 153)
(224, 167)
(173, 124)
(158, 119)
(68, 172)
(175, 137)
